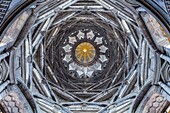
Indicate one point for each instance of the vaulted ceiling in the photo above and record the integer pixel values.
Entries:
(87, 56)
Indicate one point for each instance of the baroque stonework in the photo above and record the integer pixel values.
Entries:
(84, 56)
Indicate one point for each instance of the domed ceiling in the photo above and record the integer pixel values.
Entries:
(87, 56)
(85, 53)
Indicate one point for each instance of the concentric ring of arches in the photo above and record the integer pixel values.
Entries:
(85, 64)
(124, 81)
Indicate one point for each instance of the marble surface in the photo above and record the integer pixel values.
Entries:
(13, 3)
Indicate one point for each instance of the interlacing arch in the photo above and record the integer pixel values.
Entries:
(84, 56)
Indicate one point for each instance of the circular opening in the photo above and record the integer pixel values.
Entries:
(85, 52)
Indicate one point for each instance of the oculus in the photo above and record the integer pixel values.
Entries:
(85, 53)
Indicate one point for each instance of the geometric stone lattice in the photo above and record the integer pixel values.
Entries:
(85, 55)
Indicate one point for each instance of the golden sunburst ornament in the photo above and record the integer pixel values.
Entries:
(85, 52)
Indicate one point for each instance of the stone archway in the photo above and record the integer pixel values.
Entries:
(42, 68)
